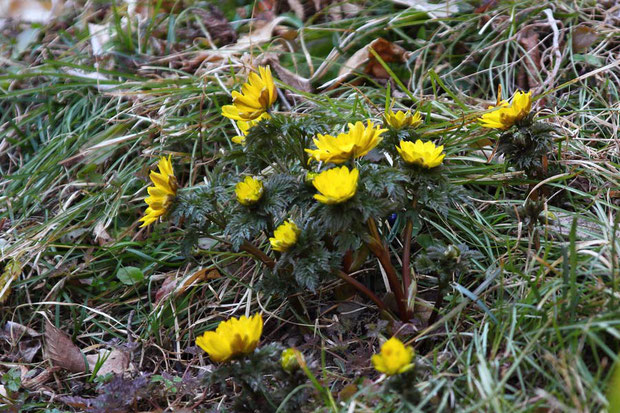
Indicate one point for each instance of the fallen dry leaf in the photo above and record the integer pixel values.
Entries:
(288, 77)
(435, 10)
(101, 235)
(116, 361)
(218, 27)
(530, 40)
(14, 331)
(583, 38)
(32, 11)
(61, 351)
(298, 8)
(261, 33)
(33, 382)
(170, 283)
(388, 51)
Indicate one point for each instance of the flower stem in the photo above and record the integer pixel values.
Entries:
(260, 255)
(378, 248)
(407, 256)
(362, 289)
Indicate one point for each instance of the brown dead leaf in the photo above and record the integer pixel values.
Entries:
(33, 382)
(14, 331)
(170, 284)
(298, 8)
(529, 39)
(166, 288)
(287, 76)
(28, 349)
(217, 25)
(61, 351)
(486, 6)
(388, 51)
(116, 361)
(583, 38)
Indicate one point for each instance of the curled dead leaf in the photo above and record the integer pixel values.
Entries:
(61, 351)
(115, 361)
(170, 284)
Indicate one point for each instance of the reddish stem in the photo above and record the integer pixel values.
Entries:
(407, 257)
(378, 248)
(260, 255)
(362, 289)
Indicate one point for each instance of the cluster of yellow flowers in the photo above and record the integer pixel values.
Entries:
(336, 185)
(238, 337)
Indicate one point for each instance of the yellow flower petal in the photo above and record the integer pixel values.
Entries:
(336, 185)
(162, 193)
(249, 191)
(256, 97)
(424, 154)
(232, 338)
(394, 357)
(506, 115)
(357, 142)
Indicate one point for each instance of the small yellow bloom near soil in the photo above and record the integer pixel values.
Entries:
(394, 357)
(232, 338)
(402, 119)
(289, 360)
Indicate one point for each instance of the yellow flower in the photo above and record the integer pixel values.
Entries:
(162, 194)
(289, 361)
(284, 237)
(394, 357)
(249, 191)
(506, 114)
(402, 119)
(256, 96)
(336, 185)
(245, 127)
(234, 337)
(424, 154)
(357, 142)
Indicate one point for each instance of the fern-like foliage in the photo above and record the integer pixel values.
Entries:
(446, 260)
(265, 384)
(281, 140)
(525, 146)
(307, 263)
